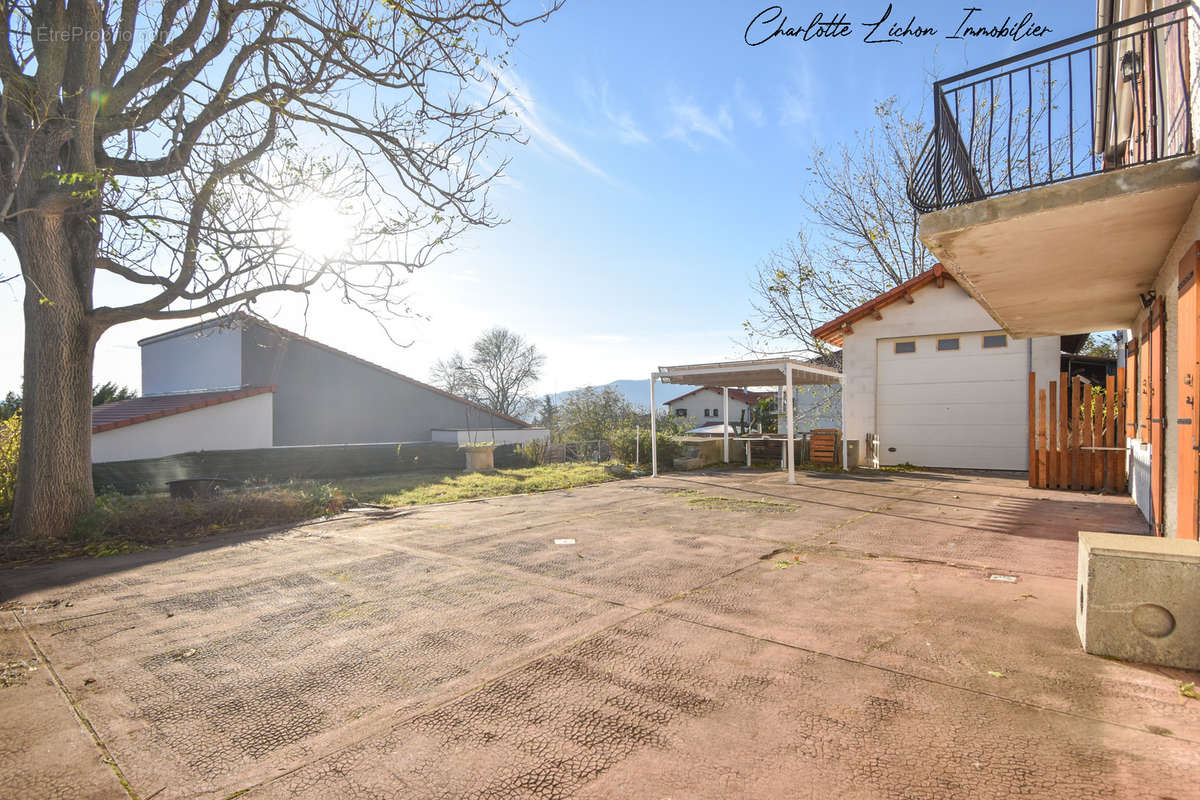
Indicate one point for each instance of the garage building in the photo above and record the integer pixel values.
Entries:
(930, 374)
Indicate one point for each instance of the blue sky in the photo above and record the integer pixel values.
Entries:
(666, 158)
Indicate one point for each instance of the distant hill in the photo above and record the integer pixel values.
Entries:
(638, 392)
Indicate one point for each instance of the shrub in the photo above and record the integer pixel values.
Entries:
(10, 448)
(624, 442)
(530, 454)
(325, 499)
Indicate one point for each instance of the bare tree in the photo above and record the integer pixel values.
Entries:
(171, 146)
(859, 241)
(499, 373)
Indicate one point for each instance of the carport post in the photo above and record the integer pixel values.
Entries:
(842, 403)
(791, 425)
(725, 418)
(653, 429)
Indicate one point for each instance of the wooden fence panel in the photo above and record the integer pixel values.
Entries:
(1064, 455)
(1043, 455)
(1077, 436)
(1122, 430)
(1052, 438)
(1032, 406)
(1077, 481)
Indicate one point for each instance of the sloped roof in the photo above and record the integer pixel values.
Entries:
(834, 331)
(741, 395)
(241, 317)
(124, 413)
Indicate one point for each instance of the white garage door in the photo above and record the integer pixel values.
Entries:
(952, 408)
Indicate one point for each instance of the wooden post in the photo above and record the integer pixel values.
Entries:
(1077, 457)
(1122, 431)
(1064, 454)
(1041, 439)
(1033, 479)
(1110, 438)
(1052, 439)
(1097, 476)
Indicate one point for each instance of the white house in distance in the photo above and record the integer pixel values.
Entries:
(815, 406)
(928, 372)
(703, 406)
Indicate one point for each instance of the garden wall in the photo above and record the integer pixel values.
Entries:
(279, 464)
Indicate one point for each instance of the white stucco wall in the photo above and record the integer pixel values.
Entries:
(948, 310)
(211, 359)
(696, 403)
(236, 425)
(498, 436)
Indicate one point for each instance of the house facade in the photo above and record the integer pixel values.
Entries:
(1082, 213)
(814, 406)
(705, 406)
(934, 379)
(238, 382)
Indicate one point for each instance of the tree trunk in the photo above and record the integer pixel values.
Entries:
(54, 473)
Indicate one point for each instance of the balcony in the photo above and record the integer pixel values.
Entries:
(1054, 182)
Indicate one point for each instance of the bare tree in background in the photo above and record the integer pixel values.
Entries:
(499, 373)
(860, 240)
(164, 144)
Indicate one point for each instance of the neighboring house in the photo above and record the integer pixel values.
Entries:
(929, 373)
(237, 382)
(704, 406)
(815, 406)
(1092, 226)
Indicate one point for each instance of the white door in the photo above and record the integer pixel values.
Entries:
(946, 407)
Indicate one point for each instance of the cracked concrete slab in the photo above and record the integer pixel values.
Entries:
(457, 651)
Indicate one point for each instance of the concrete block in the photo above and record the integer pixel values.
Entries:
(1139, 598)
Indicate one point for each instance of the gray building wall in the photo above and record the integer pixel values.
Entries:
(204, 359)
(326, 397)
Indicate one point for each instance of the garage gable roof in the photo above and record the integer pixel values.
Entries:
(835, 330)
(143, 409)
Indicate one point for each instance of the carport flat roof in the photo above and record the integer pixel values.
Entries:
(762, 372)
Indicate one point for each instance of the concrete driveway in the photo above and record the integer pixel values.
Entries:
(705, 636)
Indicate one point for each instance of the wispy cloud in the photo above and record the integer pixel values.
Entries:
(620, 123)
(798, 99)
(691, 124)
(747, 106)
(521, 103)
(608, 338)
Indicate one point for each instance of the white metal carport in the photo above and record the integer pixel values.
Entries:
(740, 374)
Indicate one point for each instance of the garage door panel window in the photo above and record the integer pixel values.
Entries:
(905, 347)
(947, 344)
(991, 340)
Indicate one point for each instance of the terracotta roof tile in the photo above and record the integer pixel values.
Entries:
(143, 409)
(834, 330)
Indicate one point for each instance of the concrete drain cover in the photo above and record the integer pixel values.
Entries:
(564, 541)
(1002, 578)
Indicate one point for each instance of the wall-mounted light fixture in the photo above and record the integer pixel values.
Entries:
(1148, 297)
(1131, 65)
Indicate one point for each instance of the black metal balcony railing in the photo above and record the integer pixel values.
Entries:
(1113, 97)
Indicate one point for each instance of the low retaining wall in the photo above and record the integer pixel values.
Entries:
(279, 464)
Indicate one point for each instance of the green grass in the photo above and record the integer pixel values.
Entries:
(422, 488)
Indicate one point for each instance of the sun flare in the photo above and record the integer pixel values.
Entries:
(320, 229)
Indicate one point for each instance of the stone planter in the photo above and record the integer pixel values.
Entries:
(480, 459)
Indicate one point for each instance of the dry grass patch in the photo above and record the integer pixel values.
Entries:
(732, 504)
(129, 523)
(422, 488)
